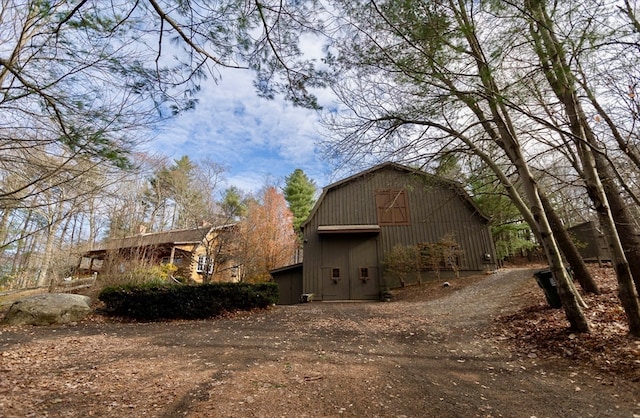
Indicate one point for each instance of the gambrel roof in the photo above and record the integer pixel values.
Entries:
(408, 170)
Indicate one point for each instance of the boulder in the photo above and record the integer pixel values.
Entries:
(48, 308)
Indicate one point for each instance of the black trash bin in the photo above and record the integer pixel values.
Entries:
(548, 284)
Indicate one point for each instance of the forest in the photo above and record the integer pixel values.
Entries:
(532, 105)
(44, 242)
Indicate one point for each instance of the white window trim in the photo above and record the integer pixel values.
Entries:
(203, 260)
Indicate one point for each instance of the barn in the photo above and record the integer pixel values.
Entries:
(358, 220)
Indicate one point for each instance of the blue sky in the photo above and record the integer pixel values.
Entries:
(256, 139)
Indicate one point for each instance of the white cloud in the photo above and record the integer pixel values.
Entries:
(253, 137)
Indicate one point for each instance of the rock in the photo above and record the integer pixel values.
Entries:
(49, 308)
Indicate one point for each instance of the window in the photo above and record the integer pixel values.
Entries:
(335, 274)
(97, 264)
(392, 207)
(364, 274)
(205, 264)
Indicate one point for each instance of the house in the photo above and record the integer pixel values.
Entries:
(198, 253)
(590, 241)
(356, 222)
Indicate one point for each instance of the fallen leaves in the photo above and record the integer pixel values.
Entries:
(94, 374)
(325, 359)
(543, 330)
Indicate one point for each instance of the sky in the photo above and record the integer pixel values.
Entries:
(256, 139)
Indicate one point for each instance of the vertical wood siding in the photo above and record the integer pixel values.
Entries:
(436, 209)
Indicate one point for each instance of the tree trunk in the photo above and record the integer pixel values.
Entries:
(569, 299)
(64, 230)
(561, 80)
(93, 225)
(624, 223)
(4, 227)
(512, 148)
(19, 258)
(579, 267)
(47, 256)
(626, 292)
(54, 220)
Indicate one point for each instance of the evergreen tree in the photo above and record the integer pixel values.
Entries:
(233, 205)
(511, 234)
(299, 192)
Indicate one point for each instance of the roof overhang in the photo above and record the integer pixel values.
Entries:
(291, 267)
(348, 229)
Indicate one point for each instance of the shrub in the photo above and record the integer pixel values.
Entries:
(151, 302)
(451, 253)
(408, 261)
(404, 262)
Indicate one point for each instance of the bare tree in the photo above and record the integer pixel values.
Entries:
(88, 79)
(596, 169)
(266, 235)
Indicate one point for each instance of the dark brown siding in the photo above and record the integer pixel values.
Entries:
(591, 243)
(289, 282)
(347, 255)
(436, 209)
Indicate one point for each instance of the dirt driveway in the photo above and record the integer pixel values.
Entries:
(407, 358)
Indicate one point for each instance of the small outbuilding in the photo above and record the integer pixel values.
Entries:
(357, 221)
(289, 280)
(590, 241)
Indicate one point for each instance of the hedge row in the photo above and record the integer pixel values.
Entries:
(157, 302)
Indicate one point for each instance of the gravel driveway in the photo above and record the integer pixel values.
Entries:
(407, 358)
